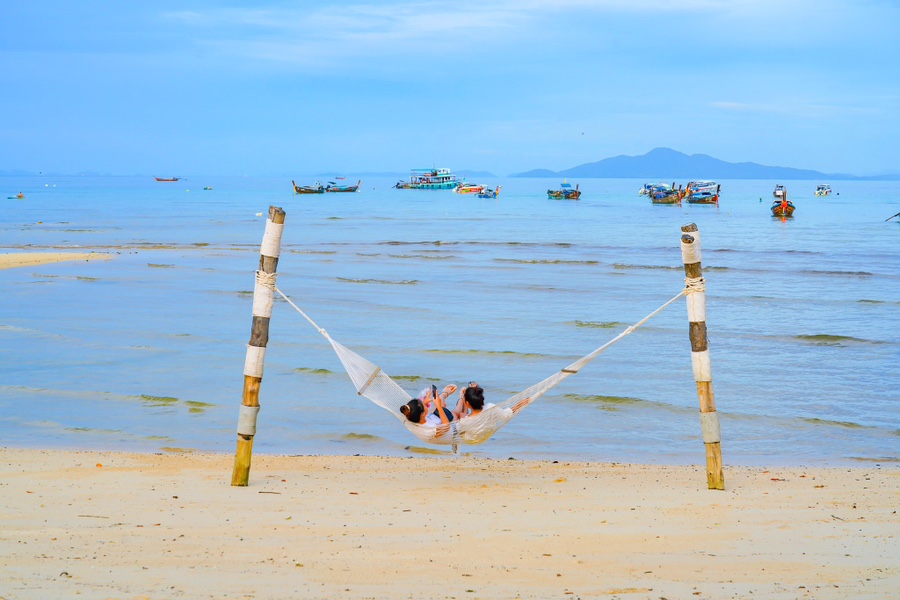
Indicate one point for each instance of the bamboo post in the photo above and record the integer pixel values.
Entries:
(695, 293)
(263, 299)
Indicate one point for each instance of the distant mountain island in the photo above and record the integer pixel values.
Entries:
(665, 163)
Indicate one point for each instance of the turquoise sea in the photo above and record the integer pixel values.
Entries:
(145, 351)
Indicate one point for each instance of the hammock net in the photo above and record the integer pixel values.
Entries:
(376, 385)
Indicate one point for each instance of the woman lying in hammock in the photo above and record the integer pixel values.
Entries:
(471, 403)
(429, 409)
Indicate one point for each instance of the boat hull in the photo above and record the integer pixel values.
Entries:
(166, 178)
(557, 195)
(489, 193)
(343, 188)
(670, 197)
(308, 189)
(694, 199)
(783, 209)
(565, 192)
(426, 186)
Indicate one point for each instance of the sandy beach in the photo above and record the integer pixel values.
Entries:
(129, 526)
(33, 259)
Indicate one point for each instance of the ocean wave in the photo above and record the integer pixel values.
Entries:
(492, 353)
(832, 423)
(598, 324)
(478, 243)
(837, 273)
(624, 266)
(547, 261)
(379, 281)
(423, 256)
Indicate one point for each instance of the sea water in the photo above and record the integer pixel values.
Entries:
(145, 351)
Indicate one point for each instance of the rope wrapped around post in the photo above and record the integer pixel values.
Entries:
(695, 293)
(263, 301)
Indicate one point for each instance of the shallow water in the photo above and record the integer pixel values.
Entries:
(145, 352)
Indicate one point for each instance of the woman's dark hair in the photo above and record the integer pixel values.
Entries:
(475, 397)
(413, 410)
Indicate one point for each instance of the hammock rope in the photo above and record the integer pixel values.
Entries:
(373, 383)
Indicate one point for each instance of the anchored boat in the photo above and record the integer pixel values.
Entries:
(823, 189)
(429, 179)
(318, 188)
(565, 192)
(489, 192)
(703, 192)
(333, 187)
(783, 207)
(469, 188)
(663, 193)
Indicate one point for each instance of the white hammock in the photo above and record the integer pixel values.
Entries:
(373, 383)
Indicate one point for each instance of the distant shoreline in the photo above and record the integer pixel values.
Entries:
(659, 163)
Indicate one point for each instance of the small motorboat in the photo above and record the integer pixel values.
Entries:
(489, 192)
(823, 189)
(469, 188)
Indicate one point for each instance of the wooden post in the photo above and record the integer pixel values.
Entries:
(696, 306)
(263, 299)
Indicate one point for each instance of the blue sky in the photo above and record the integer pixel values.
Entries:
(273, 88)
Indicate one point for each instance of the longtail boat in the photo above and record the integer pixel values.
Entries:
(703, 192)
(783, 207)
(664, 193)
(318, 188)
(333, 187)
(167, 178)
(565, 192)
